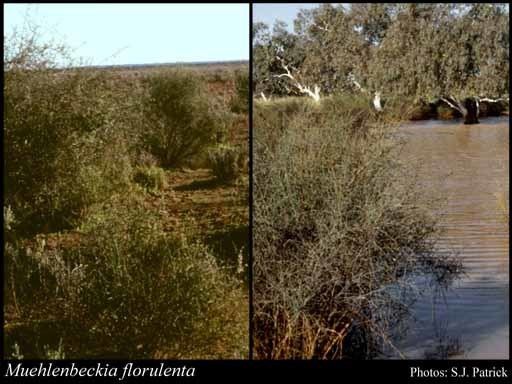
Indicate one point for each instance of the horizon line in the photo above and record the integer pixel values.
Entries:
(174, 63)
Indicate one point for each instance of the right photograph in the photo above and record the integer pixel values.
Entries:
(380, 181)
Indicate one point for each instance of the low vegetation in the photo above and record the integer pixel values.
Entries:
(152, 178)
(122, 280)
(240, 101)
(179, 123)
(226, 163)
(344, 237)
(99, 261)
(341, 231)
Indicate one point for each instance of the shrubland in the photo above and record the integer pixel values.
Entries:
(92, 268)
(125, 280)
(343, 234)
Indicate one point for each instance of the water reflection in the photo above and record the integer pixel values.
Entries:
(468, 166)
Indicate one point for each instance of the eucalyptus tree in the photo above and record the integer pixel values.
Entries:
(484, 31)
(271, 51)
(330, 44)
(415, 50)
(372, 20)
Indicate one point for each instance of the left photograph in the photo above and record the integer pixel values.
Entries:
(126, 181)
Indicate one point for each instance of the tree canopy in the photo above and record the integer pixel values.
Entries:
(414, 50)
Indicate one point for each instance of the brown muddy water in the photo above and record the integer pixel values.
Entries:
(467, 166)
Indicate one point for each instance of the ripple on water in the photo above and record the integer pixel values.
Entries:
(468, 166)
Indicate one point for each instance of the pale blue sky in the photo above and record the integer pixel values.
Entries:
(107, 34)
(269, 13)
(287, 12)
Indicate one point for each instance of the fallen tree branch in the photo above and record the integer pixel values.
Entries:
(486, 99)
(453, 103)
(264, 97)
(314, 94)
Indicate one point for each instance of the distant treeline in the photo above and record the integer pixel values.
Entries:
(413, 50)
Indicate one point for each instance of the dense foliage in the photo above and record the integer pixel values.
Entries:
(342, 231)
(415, 50)
(96, 263)
(178, 118)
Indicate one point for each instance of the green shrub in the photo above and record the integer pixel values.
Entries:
(130, 290)
(223, 116)
(218, 76)
(338, 220)
(152, 178)
(240, 100)
(226, 163)
(55, 354)
(179, 122)
(9, 219)
(97, 168)
(60, 151)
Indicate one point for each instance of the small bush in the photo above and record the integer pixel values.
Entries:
(145, 159)
(240, 100)
(224, 118)
(226, 163)
(179, 122)
(152, 178)
(130, 290)
(9, 219)
(219, 76)
(60, 152)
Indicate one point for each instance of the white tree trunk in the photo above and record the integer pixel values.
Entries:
(376, 98)
(455, 105)
(358, 86)
(314, 94)
(376, 102)
(486, 99)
